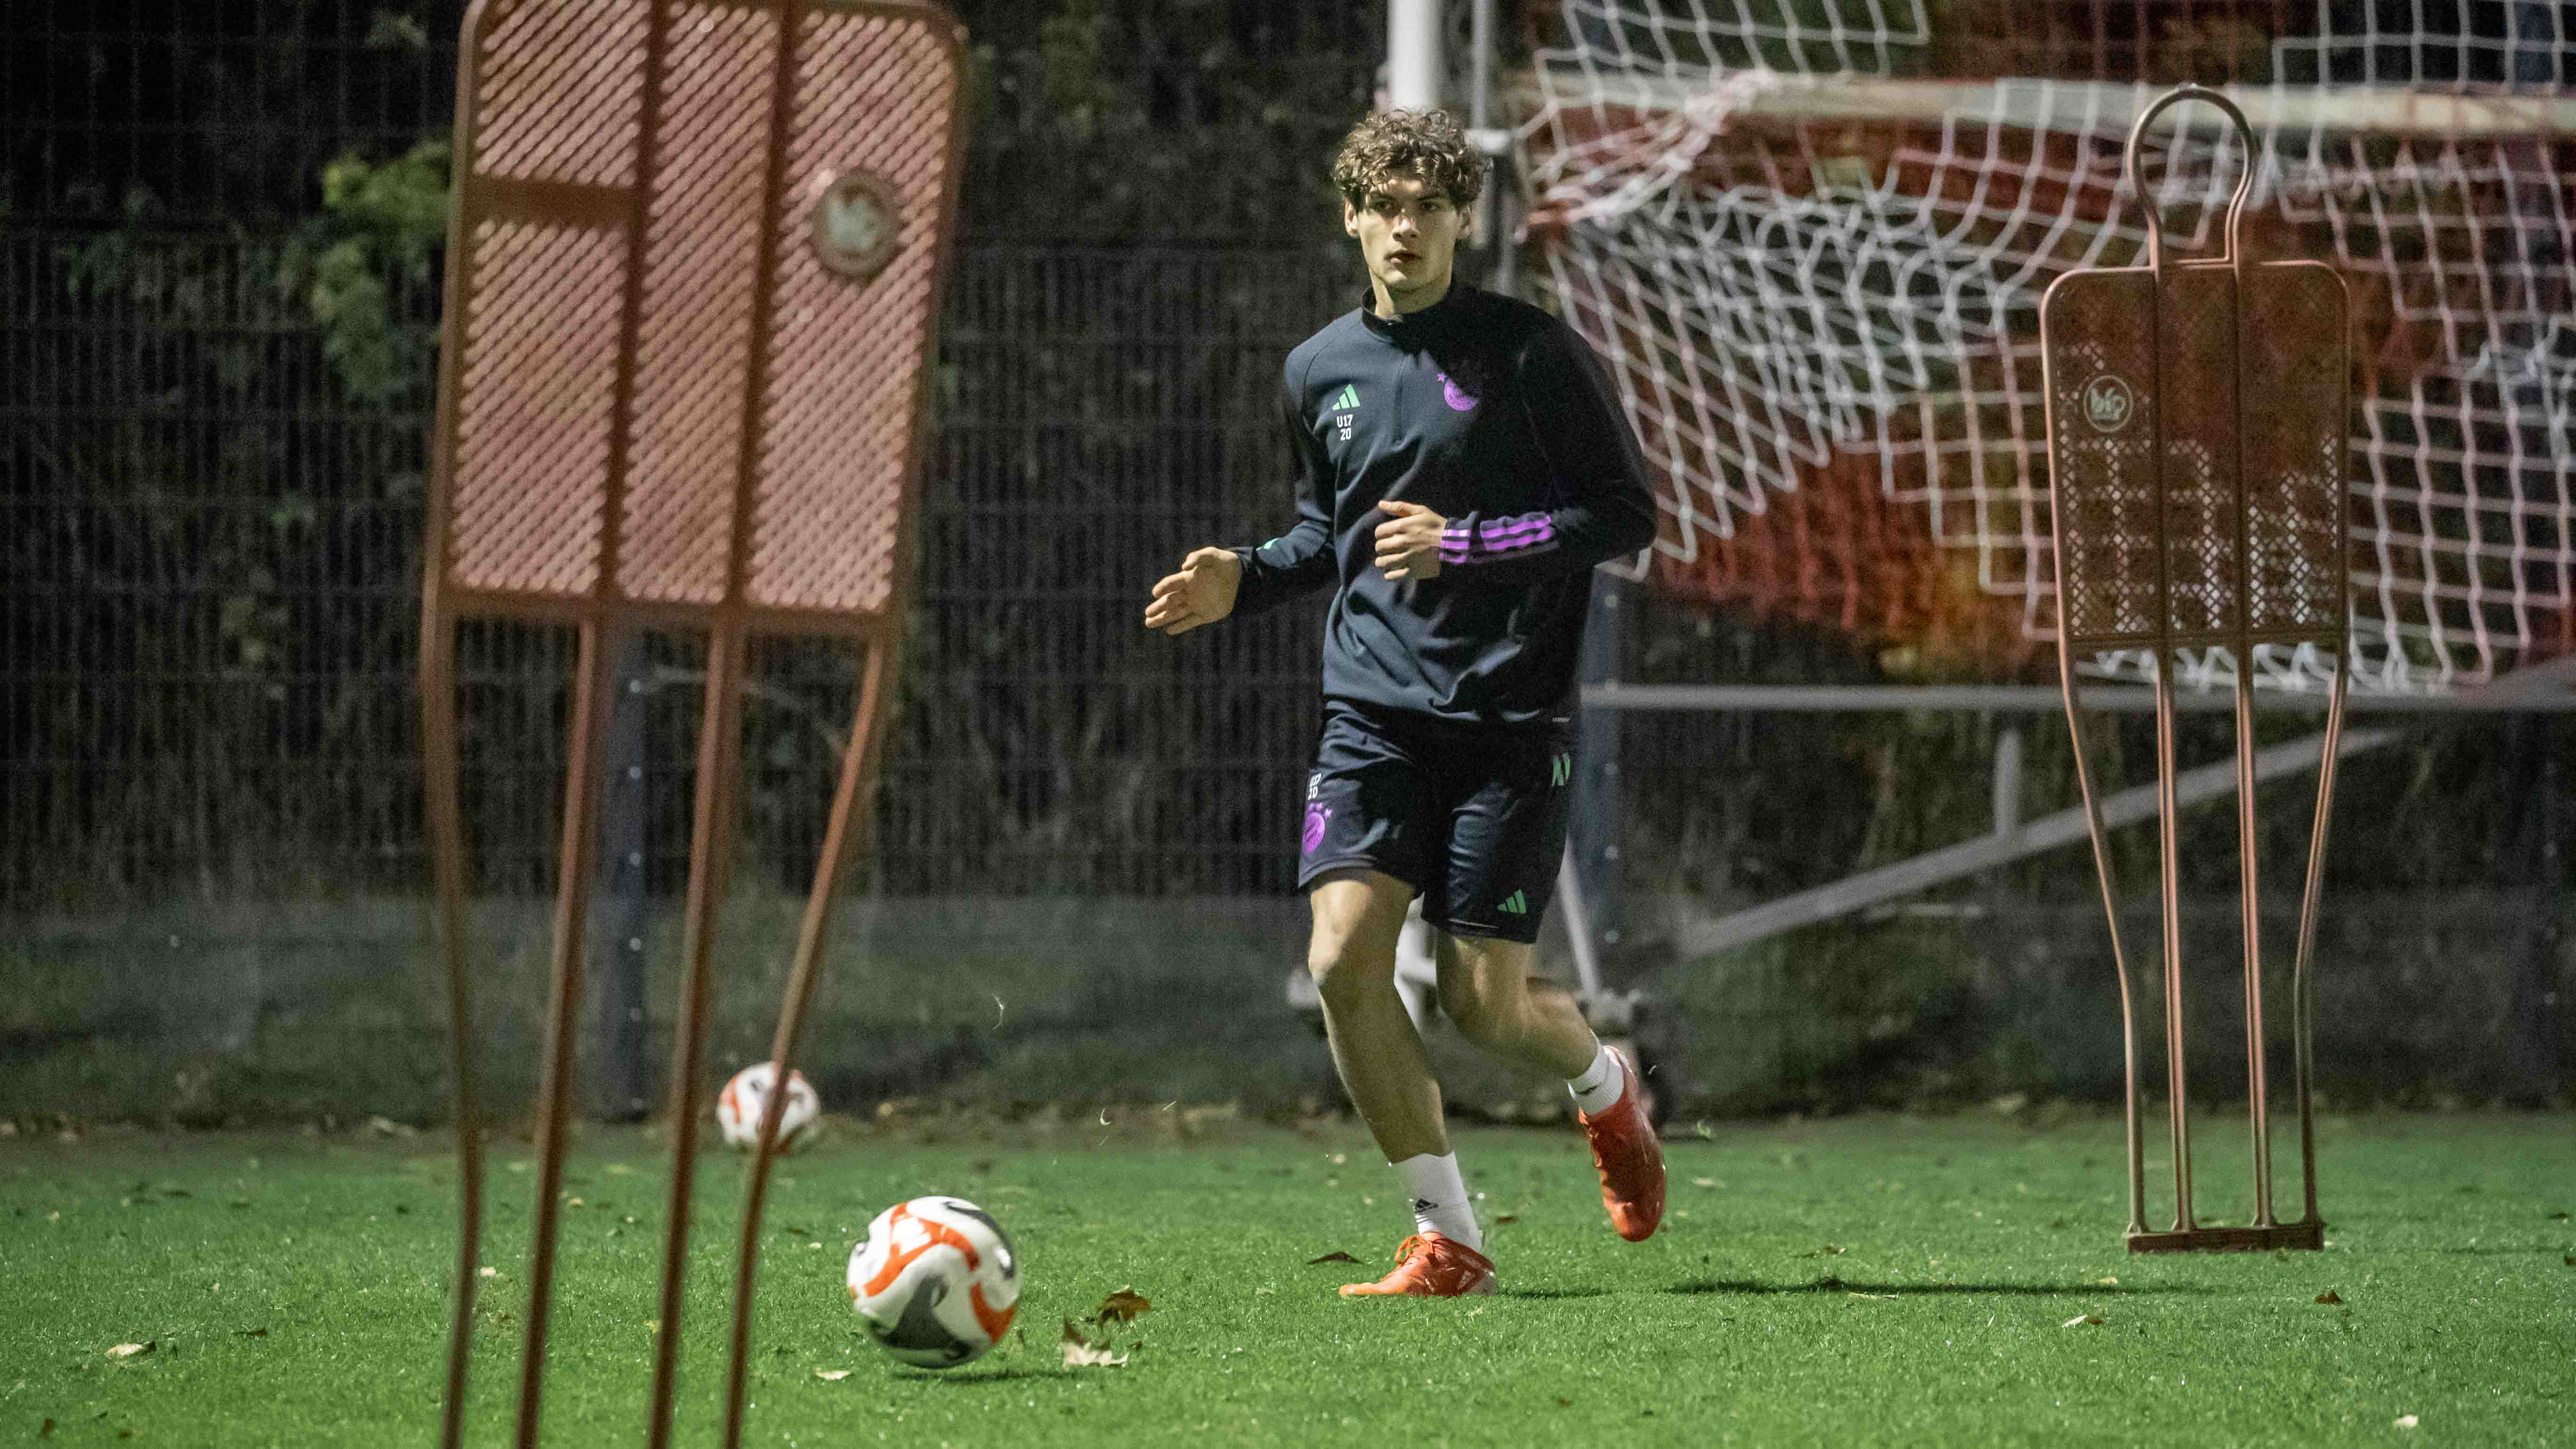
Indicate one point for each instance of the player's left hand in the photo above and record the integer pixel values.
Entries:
(1408, 545)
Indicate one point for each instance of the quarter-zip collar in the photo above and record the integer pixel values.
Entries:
(1410, 330)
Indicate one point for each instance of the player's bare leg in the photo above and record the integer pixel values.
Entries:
(1488, 989)
(1500, 1004)
(1358, 916)
(1351, 954)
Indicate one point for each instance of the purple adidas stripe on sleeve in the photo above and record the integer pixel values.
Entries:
(1497, 539)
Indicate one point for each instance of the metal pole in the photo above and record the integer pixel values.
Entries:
(1413, 60)
(563, 1009)
(2007, 783)
(719, 777)
(1593, 814)
(1494, 215)
(1480, 99)
(1480, 121)
(617, 945)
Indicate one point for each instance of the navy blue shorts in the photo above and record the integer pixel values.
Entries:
(1471, 816)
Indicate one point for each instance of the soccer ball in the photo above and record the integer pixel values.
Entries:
(739, 1105)
(936, 1281)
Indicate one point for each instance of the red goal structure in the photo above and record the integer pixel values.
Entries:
(1811, 236)
(1811, 240)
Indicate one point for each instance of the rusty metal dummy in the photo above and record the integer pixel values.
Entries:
(2197, 427)
(692, 274)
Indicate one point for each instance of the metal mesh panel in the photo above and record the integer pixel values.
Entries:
(2102, 405)
(562, 91)
(2295, 511)
(693, 351)
(2197, 399)
(846, 361)
(538, 399)
(2106, 389)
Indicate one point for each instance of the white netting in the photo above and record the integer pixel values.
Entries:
(1811, 236)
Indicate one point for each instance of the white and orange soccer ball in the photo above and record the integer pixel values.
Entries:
(936, 1281)
(739, 1105)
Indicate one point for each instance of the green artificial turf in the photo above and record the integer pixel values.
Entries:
(1861, 1281)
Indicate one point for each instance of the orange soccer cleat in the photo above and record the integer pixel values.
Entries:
(1431, 1266)
(1629, 1157)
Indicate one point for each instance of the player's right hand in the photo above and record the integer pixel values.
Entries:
(1201, 593)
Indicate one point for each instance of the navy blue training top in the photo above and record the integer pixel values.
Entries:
(1496, 416)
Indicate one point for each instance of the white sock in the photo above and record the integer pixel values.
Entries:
(1439, 1196)
(1598, 1087)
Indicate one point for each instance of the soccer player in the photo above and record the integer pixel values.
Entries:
(1464, 468)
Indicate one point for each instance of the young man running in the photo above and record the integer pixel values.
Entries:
(1465, 467)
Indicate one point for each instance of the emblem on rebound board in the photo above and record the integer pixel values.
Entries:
(2108, 403)
(858, 221)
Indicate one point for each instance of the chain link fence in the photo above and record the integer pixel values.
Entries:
(214, 564)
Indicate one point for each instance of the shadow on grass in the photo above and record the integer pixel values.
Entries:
(968, 1377)
(1753, 1288)
(1554, 1293)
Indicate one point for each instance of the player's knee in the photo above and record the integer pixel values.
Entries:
(1344, 971)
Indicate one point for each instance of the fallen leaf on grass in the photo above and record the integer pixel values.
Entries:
(1563, 1402)
(45, 1430)
(1828, 1250)
(1122, 1306)
(1889, 1296)
(1706, 1182)
(1507, 1218)
(250, 1333)
(1336, 1256)
(2406, 1421)
(2106, 1281)
(2083, 1320)
(131, 1350)
(1079, 1353)
(2330, 1296)
(831, 1376)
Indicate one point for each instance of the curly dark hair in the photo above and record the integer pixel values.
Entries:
(1425, 144)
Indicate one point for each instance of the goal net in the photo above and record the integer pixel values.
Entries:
(1810, 237)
